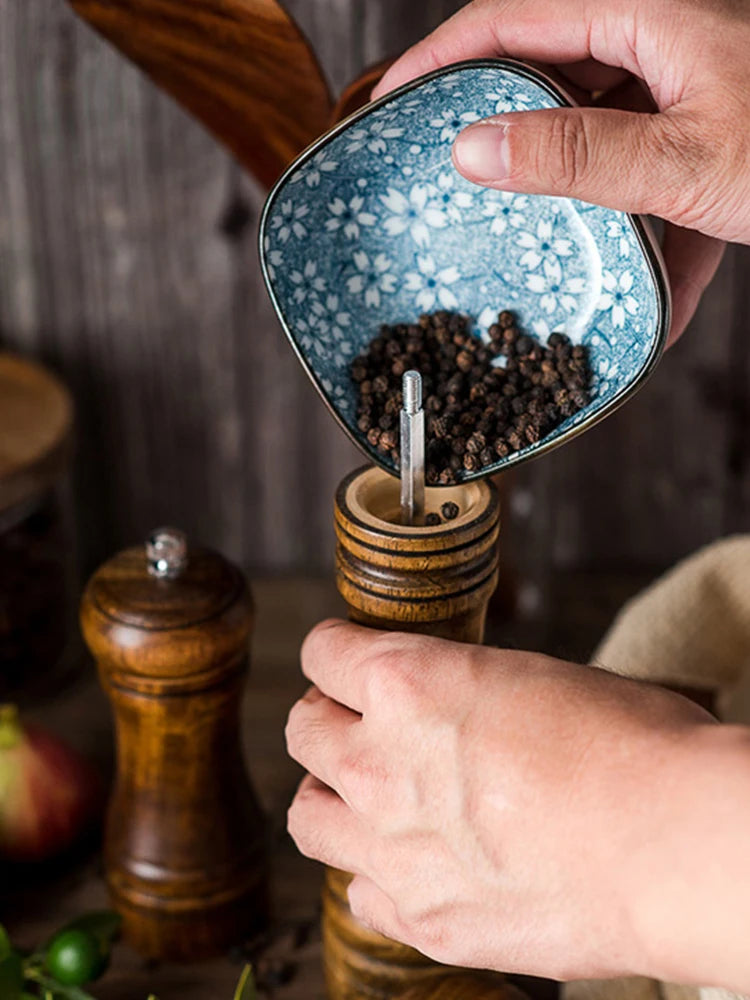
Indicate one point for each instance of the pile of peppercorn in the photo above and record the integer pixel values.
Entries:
(476, 411)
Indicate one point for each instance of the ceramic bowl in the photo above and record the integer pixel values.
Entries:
(372, 224)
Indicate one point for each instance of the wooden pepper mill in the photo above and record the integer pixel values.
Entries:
(434, 580)
(185, 850)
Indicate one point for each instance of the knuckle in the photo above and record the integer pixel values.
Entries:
(397, 671)
(366, 914)
(566, 156)
(302, 733)
(304, 828)
(361, 782)
(425, 931)
(298, 825)
(697, 170)
(293, 731)
(318, 638)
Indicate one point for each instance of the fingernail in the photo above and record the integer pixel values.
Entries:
(481, 152)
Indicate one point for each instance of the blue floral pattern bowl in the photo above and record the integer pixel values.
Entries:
(372, 225)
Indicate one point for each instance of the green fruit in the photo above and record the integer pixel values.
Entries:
(74, 958)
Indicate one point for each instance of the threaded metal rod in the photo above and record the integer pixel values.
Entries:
(412, 450)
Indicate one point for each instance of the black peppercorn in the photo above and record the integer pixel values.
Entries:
(476, 443)
(388, 440)
(432, 519)
(449, 510)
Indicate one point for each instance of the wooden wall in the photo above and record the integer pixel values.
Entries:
(128, 263)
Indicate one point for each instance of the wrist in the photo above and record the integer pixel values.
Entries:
(688, 896)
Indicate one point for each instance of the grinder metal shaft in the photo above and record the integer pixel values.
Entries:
(412, 450)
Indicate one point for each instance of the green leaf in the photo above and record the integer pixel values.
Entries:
(246, 986)
(11, 977)
(5, 946)
(104, 925)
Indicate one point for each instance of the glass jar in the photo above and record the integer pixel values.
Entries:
(37, 566)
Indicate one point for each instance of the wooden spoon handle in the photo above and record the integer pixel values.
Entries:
(242, 67)
(357, 93)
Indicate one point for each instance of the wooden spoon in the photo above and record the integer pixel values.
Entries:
(242, 67)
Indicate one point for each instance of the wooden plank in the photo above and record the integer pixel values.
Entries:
(128, 263)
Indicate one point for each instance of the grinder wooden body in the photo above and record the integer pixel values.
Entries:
(184, 846)
(437, 581)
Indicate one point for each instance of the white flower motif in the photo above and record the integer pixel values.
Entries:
(617, 230)
(508, 99)
(286, 220)
(555, 292)
(274, 259)
(312, 170)
(414, 213)
(543, 246)
(451, 122)
(617, 297)
(486, 318)
(448, 198)
(373, 137)
(410, 107)
(373, 278)
(505, 209)
(431, 284)
(337, 393)
(350, 216)
(308, 283)
(331, 322)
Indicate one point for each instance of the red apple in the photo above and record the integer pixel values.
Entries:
(48, 792)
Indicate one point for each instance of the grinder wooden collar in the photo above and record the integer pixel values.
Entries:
(403, 574)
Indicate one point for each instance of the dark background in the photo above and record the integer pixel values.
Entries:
(128, 264)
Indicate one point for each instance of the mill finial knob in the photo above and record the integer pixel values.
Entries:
(166, 552)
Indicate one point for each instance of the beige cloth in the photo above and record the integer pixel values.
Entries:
(690, 628)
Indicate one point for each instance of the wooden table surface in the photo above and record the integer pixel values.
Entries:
(286, 609)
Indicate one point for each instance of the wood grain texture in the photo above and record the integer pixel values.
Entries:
(184, 847)
(128, 263)
(242, 67)
(435, 581)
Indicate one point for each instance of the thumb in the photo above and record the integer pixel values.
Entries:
(624, 160)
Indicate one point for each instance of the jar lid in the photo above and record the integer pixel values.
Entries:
(36, 418)
(126, 589)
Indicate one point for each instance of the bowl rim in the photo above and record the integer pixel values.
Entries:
(644, 234)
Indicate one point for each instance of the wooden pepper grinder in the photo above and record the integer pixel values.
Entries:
(185, 850)
(434, 580)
